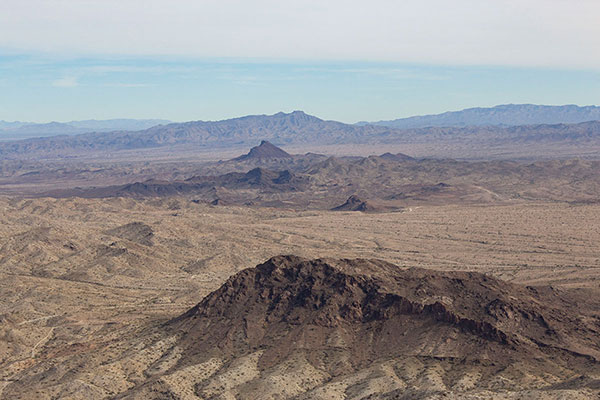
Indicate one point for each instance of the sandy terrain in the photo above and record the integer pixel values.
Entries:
(79, 286)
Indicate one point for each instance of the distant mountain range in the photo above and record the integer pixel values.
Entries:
(281, 128)
(502, 115)
(21, 130)
(300, 129)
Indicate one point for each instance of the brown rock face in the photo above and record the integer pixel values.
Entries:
(374, 310)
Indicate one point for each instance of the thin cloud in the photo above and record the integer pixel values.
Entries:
(393, 73)
(522, 33)
(66, 82)
(154, 69)
(127, 85)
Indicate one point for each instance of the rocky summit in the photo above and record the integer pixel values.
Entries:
(265, 150)
(333, 326)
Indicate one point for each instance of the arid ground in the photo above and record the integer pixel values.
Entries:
(272, 275)
(86, 284)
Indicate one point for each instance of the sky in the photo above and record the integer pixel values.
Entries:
(345, 60)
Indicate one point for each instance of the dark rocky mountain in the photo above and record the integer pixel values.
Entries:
(255, 178)
(258, 179)
(342, 316)
(354, 203)
(502, 115)
(264, 150)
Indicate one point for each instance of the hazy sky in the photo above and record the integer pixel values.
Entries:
(346, 60)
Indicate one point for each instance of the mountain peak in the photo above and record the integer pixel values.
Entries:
(297, 117)
(265, 150)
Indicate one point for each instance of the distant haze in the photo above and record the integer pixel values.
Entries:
(22, 130)
(503, 115)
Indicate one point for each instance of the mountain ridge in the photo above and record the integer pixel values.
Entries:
(500, 115)
(300, 129)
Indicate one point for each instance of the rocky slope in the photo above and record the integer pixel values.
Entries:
(299, 328)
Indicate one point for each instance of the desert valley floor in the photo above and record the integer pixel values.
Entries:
(87, 284)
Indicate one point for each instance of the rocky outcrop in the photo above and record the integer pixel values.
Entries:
(376, 310)
(354, 203)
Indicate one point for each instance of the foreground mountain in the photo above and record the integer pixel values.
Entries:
(502, 115)
(322, 329)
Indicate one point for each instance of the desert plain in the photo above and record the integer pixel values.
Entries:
(86, 283)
